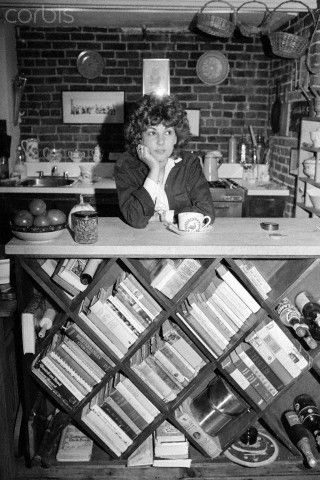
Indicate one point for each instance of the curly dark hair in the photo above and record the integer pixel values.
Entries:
(153, 110)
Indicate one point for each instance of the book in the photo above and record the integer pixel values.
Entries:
(137, 322)
(255, 277)
(170, 367)
(118, 420)
(48, 265)
(234, 320)
(238, 288)
(63, 377)
(129, 284)
(231, 298)
(174, 275)
(172, 462)
(74, 446)
(76, 366)
(120, 437)
(69, 373)
(216, 317)
(268, 387)
(183, 345)
(232, 369)
(77, 335)
(125, 405)
(131, 304)
(71, 271)
(136, 398)
(269, 357)
(125, 418)
(166, 432)
(143, 455)
(91, 367)
(163, 373)
(210, 444)
(286, 353)
(263, 366)
(220, 310)
(171, 450)
(177, 360)
(91, 325)
(70, 286)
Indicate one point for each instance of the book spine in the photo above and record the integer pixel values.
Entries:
(125, 418)
(171, 368)
(76, 365)
(106, 407)
(165, 374)
(211, 445)
(89, 347)
(54, 384)
(153, 380)
(134, 320)
(150, 302)
(128, 409)
(230, 297)
(113, 427)
(218, 319)
(95, 424)
(200, 315)
(234, 372)
(62, 377)
(206, 332)
(134, 401)
(264, 351)
(68, 369)
(137, 296)
(86, 362)
(219, 309)
(177, 360)
(112, 310)
(235, 322)
(263, 366)
(255, 277)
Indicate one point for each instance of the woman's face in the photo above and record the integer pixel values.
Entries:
(160, 140)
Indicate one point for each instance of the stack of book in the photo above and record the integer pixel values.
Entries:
(166, 365)
(265, 363)
(255, 277)
(170, 275)
(119, 413)
(74, 446)
(171, 448)
(215, 313)
(66, 369)
(118, 316)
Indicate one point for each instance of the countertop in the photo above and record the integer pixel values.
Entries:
(229, 237)
(266, 189)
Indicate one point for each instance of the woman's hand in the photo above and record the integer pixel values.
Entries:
(146, 157)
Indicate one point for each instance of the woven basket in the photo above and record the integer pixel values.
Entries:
(252, 30)
(289, 45)
(213, 25)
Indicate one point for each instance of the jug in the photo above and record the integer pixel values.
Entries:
(76, 155)
(210, 165)
(31, 149)
(52, 154)
(96, 153)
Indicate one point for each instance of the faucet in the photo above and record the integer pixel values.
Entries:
(54, 170)
(66, 175)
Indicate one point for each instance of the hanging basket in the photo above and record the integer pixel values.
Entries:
(289, 45)
(214, 25)
(252, 30)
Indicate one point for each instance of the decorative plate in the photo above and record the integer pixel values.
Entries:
(212, 67)
(90, 64)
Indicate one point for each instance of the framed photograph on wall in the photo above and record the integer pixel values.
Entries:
(93, 107)
(156, 76)
(194, 122)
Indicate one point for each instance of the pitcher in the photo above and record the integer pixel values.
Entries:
(210, 165)
(31, 149)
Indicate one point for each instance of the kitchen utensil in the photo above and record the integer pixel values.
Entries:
(90, 64)
(276, 111)
(31, 149)
(210, 165)
(212, 67)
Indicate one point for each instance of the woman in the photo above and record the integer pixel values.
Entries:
(153, 176)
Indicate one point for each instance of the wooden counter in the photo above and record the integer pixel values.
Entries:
(229, 237)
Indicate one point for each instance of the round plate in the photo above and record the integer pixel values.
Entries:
(263, 452)
(212, 67)
(90, 64)
(38, 237)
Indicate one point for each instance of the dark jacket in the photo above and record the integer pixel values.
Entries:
(186, 188)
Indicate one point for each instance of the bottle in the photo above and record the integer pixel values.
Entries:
(243, 150)
(89, 271)
(46, 321)
(19, 171)
(232, 150)
(291, 317)
(299, 436)
(260, 149)
(308, 414)
(310, 310)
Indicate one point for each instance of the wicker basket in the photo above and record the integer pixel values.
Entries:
(213, 25)
(252, 30)
(289, 45)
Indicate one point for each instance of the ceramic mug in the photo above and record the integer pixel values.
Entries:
(86, 173)
(193, 221)
(31, 149)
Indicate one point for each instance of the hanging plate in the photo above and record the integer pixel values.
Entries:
(90, 64)
(212, 67)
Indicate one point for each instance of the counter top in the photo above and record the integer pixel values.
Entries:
(266, 189)
(76, 188)
(229, 237)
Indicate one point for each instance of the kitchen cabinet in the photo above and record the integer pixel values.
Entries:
(307, 184)
(264, 205)
(123, 250)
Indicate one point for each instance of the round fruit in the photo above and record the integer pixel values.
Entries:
(41, 221)
(23, 218)
(56, 217)
(37, 206)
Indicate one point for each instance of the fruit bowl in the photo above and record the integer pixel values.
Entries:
(37, 234)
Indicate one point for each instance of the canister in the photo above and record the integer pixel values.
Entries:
(85, 226)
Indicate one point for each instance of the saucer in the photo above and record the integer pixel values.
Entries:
(173, 228)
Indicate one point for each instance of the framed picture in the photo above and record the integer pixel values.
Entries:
(93, 107)
(156, 76)
(194, 122)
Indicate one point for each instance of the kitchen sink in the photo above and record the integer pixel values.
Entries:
(46, 181)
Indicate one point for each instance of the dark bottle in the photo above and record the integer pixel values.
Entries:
(291, 317)
(308, 414)
(299, 436)
(310, 310)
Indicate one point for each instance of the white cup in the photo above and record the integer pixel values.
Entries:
(193, 221)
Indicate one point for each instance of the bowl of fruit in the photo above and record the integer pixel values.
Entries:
(38, 224)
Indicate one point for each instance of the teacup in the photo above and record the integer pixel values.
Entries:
(193, 221)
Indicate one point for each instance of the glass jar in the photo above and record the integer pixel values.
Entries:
(85, 226)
